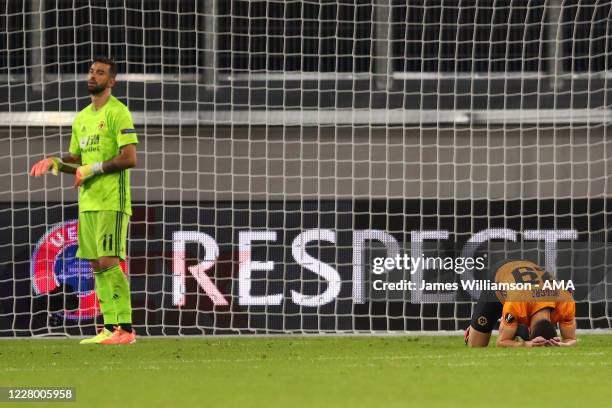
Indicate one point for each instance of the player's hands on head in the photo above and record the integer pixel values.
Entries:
(44, 165)
(537, 342)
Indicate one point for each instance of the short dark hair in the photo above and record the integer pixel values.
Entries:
(545, 329)
(108, 61)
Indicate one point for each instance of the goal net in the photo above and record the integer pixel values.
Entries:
(284, 145)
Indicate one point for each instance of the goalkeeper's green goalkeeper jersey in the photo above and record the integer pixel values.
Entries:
(97, 136)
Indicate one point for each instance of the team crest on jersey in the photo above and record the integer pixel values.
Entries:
(54, 265)
(509, 318)
(101, 125)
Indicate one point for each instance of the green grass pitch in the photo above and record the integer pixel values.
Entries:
(313, 371)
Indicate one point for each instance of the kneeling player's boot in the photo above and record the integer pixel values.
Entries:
(120, 336)
(103, 334)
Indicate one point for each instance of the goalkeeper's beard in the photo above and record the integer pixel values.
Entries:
(96, 89)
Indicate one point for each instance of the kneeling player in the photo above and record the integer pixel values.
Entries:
(541, 317)
(487, 313)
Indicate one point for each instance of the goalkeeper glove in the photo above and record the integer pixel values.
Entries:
(87, 171)
(50, 163)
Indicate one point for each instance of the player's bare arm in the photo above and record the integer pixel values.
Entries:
(126, 159)
(507, 334)
(506, 337)
(71, 163)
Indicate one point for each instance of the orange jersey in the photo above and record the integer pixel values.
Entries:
(521, 312)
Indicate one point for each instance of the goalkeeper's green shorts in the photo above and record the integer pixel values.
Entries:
(102, 233)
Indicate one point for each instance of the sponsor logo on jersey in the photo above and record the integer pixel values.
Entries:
(90, 144)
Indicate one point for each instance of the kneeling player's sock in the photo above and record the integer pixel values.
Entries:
(104, 292)
(110, 327)
(121, 296)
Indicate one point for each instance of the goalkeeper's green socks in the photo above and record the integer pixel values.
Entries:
(104, 291)
(121, 297)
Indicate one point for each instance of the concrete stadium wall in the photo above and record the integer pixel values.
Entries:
(276, 163)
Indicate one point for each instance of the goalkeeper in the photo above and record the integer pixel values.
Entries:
(102, 149)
